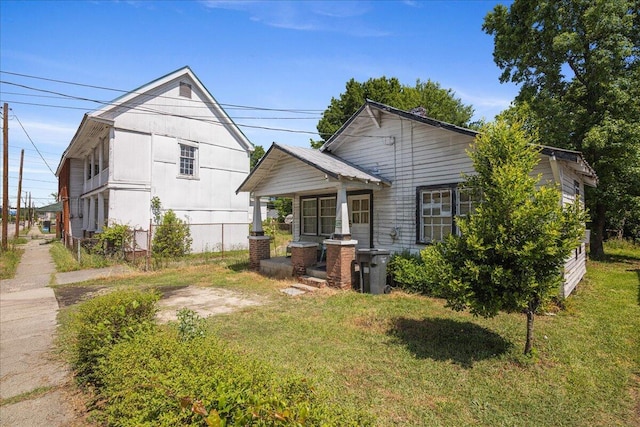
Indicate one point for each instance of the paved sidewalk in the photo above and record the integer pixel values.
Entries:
(28, 310)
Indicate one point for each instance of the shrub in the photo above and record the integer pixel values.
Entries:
(190, 324)
(98, 324)
(158, 379)
(114, 238)
(411, 273)
(172, 238)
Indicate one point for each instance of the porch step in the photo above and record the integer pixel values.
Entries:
(310, 282)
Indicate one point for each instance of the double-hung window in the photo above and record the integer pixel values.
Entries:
(327, 215)
(188, 160)
(318, 215)
(309, 216)
(436, 214)
(439, 206)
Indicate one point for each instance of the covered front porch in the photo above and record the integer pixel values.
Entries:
(332, 213)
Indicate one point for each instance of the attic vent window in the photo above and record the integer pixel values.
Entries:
(185, 89)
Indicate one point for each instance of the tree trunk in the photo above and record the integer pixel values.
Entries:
(596, 248)
(529, 344)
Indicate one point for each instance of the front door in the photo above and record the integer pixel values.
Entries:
(360, 217)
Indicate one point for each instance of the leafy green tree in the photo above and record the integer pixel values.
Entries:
(257, 154)
(510, 253)
(578, 66)
(284, 206)
(172, 237)
(441, 104)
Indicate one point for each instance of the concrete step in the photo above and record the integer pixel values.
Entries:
(313, 282)
(304, 287)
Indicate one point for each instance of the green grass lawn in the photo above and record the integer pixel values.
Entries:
(410, 361)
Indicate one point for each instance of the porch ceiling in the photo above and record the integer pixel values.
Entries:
(286, 171)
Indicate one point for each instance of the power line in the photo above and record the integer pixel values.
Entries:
(32, 143)
(302, 111)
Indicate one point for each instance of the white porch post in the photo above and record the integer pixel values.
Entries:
(257, 217)
(100, 213)
(342, 230)
(85, 176)
(100, 159)
(85, 214)
(92, 214)
(93, 169)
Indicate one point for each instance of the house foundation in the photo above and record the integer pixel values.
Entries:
(341, 256)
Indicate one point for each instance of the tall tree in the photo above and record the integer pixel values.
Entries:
(441, 104)
(258, 152)
(578, 66)
(510, 253)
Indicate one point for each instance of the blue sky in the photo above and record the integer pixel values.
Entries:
(257, 54)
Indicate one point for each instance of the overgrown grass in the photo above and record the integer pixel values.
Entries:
(65, 261)
(409, 360)
(10, 258)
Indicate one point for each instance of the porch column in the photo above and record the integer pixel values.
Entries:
(342, 230)
(85, 214)
(93, 169)
(100, 213)
(303, 255)
(341, 250)
(259, 244)
(85, 176)
(100, 150)
(92, 215)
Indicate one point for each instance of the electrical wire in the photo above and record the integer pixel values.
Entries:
(32, 143)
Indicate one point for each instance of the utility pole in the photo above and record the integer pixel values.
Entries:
(19, 192)
(5, 176)
(29, 209)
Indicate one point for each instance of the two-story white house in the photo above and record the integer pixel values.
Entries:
(170, 139)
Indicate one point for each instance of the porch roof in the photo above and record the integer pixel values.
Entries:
(327, 163)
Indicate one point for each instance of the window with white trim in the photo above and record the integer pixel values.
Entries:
(188, 160)
(309, 216)
(327, 215)
(436, 214)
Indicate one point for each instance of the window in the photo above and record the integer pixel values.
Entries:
(436, 214)
(318, 215)
(576, 189)
(327, 215)
(360, 211)
(468, 200)
(309, 216)
(185, 90)
(188, 160)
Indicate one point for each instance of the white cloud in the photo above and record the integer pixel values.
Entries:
(346, 17)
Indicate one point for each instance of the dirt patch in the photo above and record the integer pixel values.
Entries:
(205, 301)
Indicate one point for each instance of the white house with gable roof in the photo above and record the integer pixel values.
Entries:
(168, 139)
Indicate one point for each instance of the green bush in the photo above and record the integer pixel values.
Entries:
(114, 238)
(172, 237)
(159, 379)
(411, 273)
(96, 325)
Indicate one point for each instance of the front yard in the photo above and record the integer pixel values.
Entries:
(408, 360)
